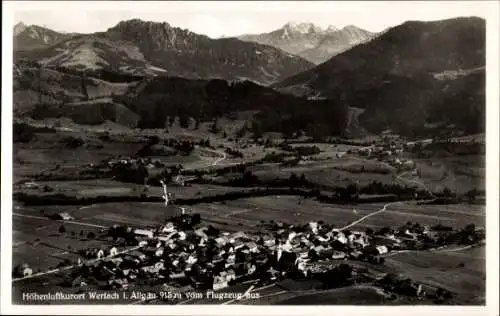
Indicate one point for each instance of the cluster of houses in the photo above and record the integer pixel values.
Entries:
(381, 151)
(391, 153)
(22, 270)
(129, 161)
(183, 255)
(136, 169)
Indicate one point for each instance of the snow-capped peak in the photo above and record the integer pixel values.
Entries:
(303, 28)
(331, 28)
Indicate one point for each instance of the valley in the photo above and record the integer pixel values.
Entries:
(304, 166)
(73, 181)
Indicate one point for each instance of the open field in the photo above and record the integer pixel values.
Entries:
(327, 173)
(43, 156)
(444, 269)
(250, 212)
(459, 174)
(109, 188)
(38, 242)
(293, 209)
(457, 215)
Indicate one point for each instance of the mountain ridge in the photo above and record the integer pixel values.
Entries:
(29, 37)
(310, 41)
(392, 76)
(152, 48)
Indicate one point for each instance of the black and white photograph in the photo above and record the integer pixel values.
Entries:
(195, 156)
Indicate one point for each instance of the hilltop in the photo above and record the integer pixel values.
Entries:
(30, 37)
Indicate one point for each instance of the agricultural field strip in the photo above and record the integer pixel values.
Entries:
(445, 249)
(284, 204)
(238, 211)
(117, 218)
(448, 278)
(61, 221)
(44, 227)
(439, 213)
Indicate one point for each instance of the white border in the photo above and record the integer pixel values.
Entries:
(491, 9)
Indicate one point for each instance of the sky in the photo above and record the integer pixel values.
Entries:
(217, 19)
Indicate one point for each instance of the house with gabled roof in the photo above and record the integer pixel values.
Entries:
(144, 233)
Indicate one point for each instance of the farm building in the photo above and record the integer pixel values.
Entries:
(144, 233)
(64, 216)
(221, 281)
(27, 271)
(168, 228)
(338, 255)
(177, 276)
(314, 227)
(30, 185)
(340, 236)
(159, 252)
(100, 254)
(113, 251)
(382, 249)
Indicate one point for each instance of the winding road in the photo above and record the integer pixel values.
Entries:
(221, 158)
(211, 163)
(383, 209)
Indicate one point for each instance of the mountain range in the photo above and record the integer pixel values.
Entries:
(417, 78)
(405, 74)
(145, 48)
(29, 37)
(310, 41)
